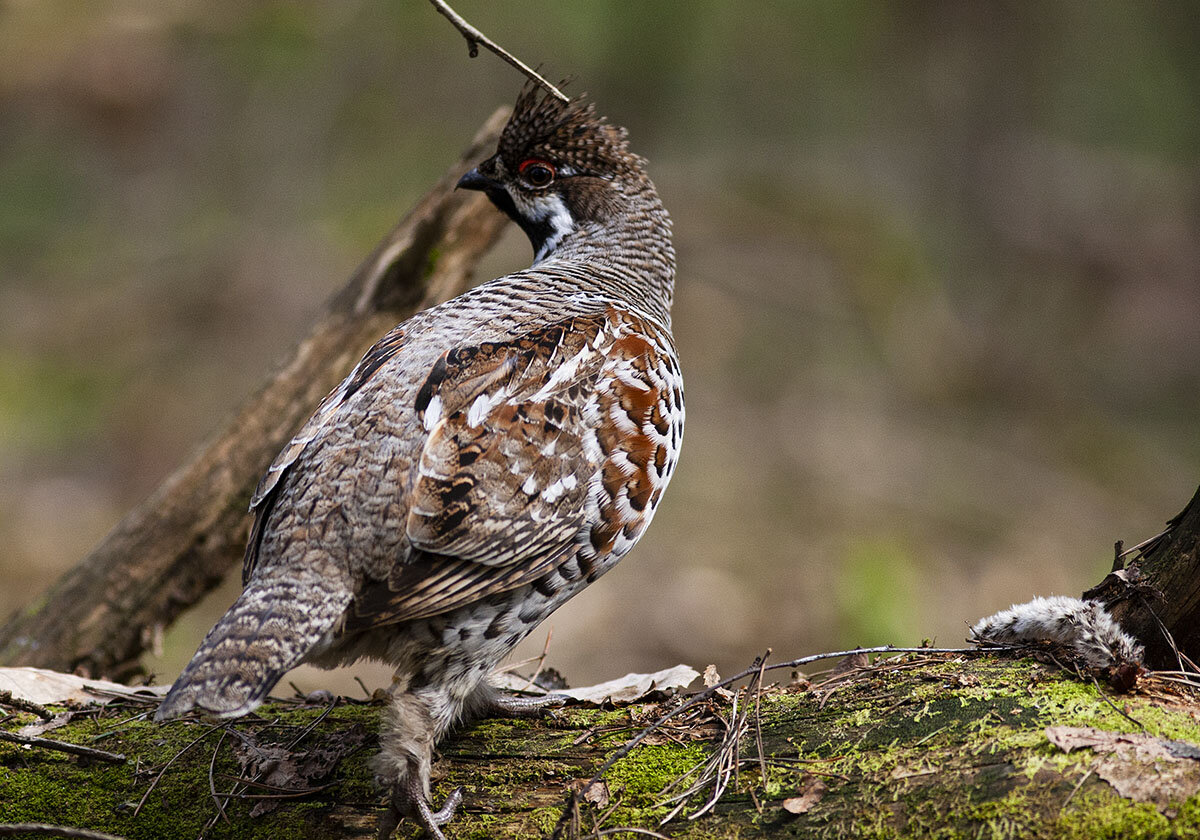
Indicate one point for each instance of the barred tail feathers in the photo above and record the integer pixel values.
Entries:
(270, 627)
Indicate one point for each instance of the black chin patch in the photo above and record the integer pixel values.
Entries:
(537, 231)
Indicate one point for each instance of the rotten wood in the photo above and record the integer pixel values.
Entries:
(1156, 596)
(179, 543)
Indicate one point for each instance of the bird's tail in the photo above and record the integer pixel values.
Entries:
(270, 627)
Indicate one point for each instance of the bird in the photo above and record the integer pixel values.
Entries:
(485, 461)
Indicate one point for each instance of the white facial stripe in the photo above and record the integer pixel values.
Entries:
(547, 208)
(561, 224)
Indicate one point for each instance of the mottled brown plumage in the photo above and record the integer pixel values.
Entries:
(485, 461)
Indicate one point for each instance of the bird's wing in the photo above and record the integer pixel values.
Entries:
(499, 490)
(264, 495)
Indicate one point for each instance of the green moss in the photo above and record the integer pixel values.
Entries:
(943, 750)
(1099, 816)
(648, 769)
(44, 786)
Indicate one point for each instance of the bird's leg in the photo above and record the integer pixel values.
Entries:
(408, 799)
(403, 767)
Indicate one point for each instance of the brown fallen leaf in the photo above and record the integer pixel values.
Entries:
(45, 687)
(33, 730)
(627, 689)
(811, 791)
(1138, 766)
(595, 793)
(854, 662)
(711, 678)
(288, 772)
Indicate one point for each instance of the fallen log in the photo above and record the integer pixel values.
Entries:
(911, 745)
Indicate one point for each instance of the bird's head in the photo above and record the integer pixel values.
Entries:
(560, 167)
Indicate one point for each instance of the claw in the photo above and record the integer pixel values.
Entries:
(446, 813)
(507, 705)
(408, 800)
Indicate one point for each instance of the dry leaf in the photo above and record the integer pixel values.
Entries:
(294, 772)
(854, 662)
(33, 730)
(595, 793)
(626, 689)
(1139, 767)
(811, 791)
(800, 681)
(46, 687)
(711, 678)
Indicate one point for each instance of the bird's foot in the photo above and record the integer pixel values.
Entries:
(409, 800)
(508, 705)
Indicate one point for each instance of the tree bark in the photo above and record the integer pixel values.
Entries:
(182, 541)
(912, 746)
(1156, 596)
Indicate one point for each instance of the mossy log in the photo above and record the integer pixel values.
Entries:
(913, 746)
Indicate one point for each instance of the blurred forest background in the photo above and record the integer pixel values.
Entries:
(938, 297)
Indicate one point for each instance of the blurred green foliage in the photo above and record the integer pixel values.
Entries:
(938, 274)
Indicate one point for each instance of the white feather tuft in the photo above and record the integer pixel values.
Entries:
(1083, 626)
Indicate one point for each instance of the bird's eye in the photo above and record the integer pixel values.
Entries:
(537, 173)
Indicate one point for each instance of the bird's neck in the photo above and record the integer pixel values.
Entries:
(628, 253)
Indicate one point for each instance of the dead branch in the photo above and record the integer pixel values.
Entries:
(474, 38)
(61, 746)
(44, 830)
(182, 541)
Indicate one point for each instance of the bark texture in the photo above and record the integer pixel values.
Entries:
(1156, 596)
(914, 746)
(181, 541)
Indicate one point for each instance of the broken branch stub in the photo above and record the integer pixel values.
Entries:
(1156, 597)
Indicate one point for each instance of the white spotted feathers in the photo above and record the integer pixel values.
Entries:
(484, 462)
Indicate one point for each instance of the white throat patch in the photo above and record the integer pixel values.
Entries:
(550, 209)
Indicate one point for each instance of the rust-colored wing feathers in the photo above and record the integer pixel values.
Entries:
(513, 436)
(498, 492)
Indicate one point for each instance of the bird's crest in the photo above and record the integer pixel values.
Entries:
(568, 133)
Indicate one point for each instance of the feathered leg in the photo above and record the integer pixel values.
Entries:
(403, 766)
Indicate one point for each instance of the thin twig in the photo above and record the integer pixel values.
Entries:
(1116, 708)
(23, 705)
(1075, 789)
(63, 746)
(297, 793)
(1189, 683)
(276, 789)
(43, 830)
(762, 761)
(1163, 628)
(170, 761)
(316, 721)
(475, 38)
(212, 782)
(541, 661)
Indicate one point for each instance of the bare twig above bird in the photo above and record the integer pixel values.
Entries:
(475, 38)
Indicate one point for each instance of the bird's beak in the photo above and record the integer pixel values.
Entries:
(476, 180)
